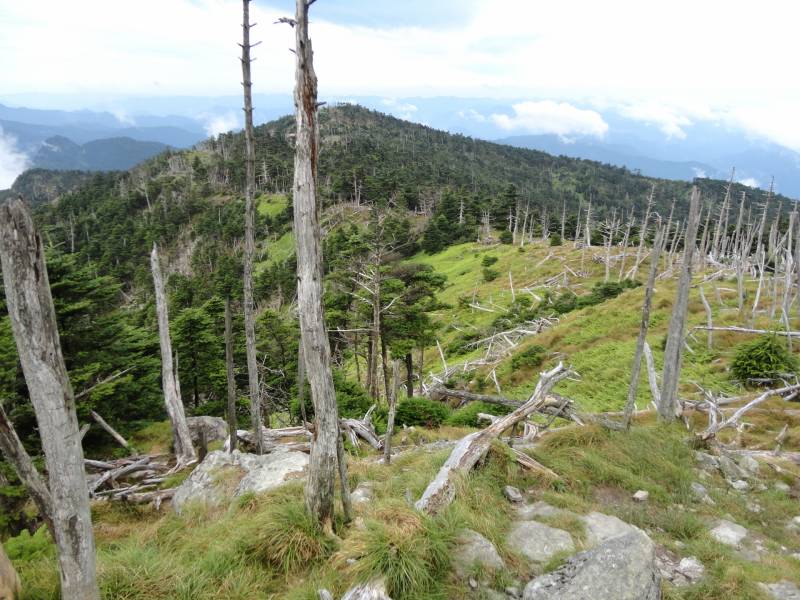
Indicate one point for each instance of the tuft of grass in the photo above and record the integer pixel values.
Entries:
(288, 538)
(409, 550)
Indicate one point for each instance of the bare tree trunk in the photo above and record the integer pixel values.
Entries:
(643, 231)
(409, 375)
(341, 460)
(249, 233)
(33, 321)
(709, 319)
(630, 405)
(387, 444)
(232, 424)
(670, 407)
(184, 451)
(308, 246)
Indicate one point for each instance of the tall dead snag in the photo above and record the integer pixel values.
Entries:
(184, 451)
(470, 449)
(229, 375)
(249, 231)
(33, 321)
(630, 405)
(393, 397)
(669, 408)
(308, 247)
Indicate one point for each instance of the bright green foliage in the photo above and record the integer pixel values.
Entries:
(488, 260)
(421, 411)
(200, 352)
(467, 416)
(489, 274)
(555, 239)
(764, 358)
(352, 399)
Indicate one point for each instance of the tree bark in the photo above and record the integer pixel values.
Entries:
(319, 494)
(387, 444)
(669, 407)
(184, 451)
(33, 321)
(630, 405)
(409, 375)
(249, 233)
(229, 375)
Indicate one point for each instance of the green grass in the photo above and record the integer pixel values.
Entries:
(272, 205)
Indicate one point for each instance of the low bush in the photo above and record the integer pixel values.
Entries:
(421, 412)
(764, 358)
(532, 356)
(489, 274)
(467, 416)
(488, 260)
(506, 237)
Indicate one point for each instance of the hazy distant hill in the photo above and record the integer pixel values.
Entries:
(111, 154)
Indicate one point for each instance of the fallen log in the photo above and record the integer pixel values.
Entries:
(110, 430)
(737, 329)
(472, 448)
(117, 473)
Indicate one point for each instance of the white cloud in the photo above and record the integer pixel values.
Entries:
(216, 124)
(123, 117)
(12, 160)
(671, 122)
(471, 114)
(548, 117)
(699, 173)
(750, 182)
(403, 110)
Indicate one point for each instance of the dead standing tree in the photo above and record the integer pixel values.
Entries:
(184, 451)
(308, 246)
(33, 321)
(669, 407)
(249, 233)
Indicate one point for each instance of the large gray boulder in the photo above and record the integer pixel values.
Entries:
(215, 428)
(601, 528)
(224, 475)
(731, 470)
(622, 568)
(540, 509)
(539, 542)
(474, 550)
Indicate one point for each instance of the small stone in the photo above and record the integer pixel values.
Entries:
(692, 568)
(706, 461)
(700, 493)
(731, 470)
(472, 583)
(351, 561)
(729, 533)
(512, 494)
(782, 486)
(363, 493)
(641, 496)
(754, 507)
(740, 485)
(794, 524)
(749, 464)
(782, 590)
(795, 555)
(472, 549)
(513, 591)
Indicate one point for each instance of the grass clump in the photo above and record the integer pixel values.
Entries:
(410, 551)
(532, 356)
(288, 538)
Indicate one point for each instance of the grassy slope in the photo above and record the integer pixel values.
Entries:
(265, 547)
(598, 341)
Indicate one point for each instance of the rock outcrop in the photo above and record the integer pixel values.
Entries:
(538, 542)
(473, 550)
(622, 568)
(224, 475)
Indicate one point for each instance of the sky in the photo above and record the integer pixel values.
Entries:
(668, 64)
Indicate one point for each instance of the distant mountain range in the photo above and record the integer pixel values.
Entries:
(699, 148)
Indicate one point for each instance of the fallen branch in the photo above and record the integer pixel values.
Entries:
(733, 420)
(111, 431)
(470, 449)
(737, 329)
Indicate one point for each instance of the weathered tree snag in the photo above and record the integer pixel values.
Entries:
(344, 486)
(670, 407)
(651, 375)
(314, 336)
(229, 375)
(15, 453)
(184, 451)
(732, 421)
(643, 232)
(630, 405)
(387, 442)
(249, 233)
(709, 319)
(110, 430)
(33, 321)
(470, 449)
